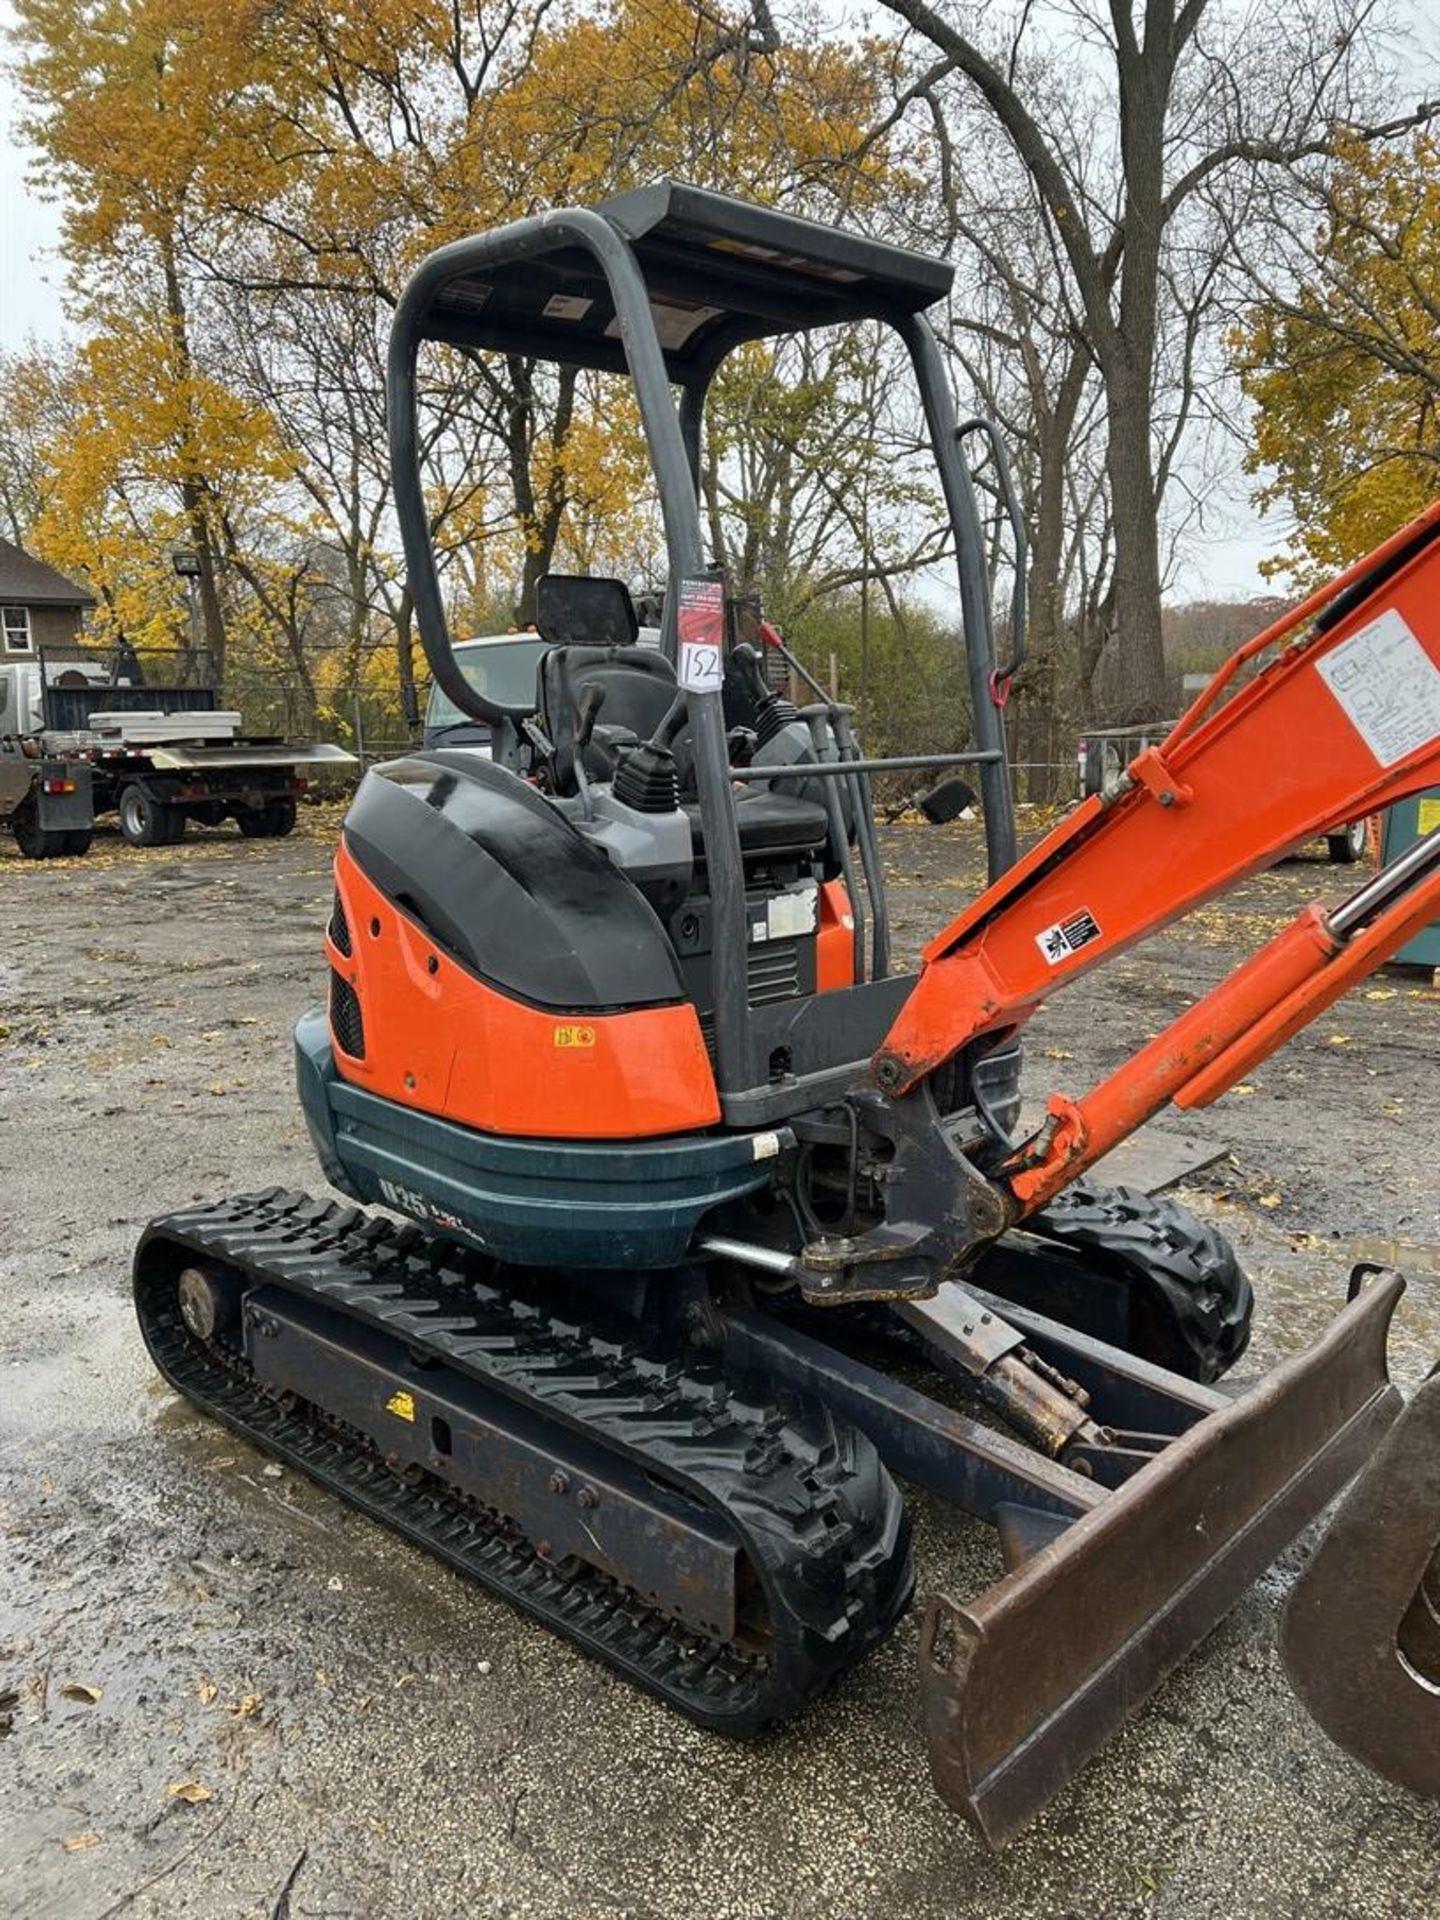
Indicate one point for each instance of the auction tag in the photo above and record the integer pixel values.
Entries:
(700, 629)
(1388, 686)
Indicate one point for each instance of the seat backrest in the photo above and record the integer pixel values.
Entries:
(576, 610)
(638, 684)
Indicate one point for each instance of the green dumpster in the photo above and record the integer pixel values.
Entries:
(1402, 825)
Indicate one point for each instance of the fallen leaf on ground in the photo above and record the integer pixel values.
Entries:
(82, 1691)
(192, 1792)
(1269, 1200)
(78, 1842)
(207, 1691)
(246, 1706)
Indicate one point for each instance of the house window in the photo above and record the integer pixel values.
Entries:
(15, 626)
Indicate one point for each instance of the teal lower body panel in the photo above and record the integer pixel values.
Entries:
(1401, 826)
(619, 1205)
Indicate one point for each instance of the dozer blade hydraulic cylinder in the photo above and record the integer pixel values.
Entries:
(1361, 1638)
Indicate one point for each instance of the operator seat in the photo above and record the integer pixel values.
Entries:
(593, 626)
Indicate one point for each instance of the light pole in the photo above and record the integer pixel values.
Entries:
(186, 562)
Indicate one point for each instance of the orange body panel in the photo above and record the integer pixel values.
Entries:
(835, 942)
(439, 1039)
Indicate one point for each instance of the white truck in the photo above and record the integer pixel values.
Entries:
(84, 734)
(502, 666)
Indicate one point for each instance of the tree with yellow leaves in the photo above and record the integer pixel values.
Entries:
(134, 105)
(1340, 359)
(247, 188)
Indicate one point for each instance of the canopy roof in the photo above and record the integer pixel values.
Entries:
(717, 270)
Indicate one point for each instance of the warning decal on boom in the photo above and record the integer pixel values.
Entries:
(1068, 936)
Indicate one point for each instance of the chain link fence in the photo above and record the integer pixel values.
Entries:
(374, 730)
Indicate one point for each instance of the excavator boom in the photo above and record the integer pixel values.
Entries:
(1342, 721)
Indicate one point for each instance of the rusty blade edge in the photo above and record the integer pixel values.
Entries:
(1343, 1638)
(1022, 1698)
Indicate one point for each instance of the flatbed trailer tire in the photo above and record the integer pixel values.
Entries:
(144, 820)
(42, 843)
(1348, 846)
(271, 821)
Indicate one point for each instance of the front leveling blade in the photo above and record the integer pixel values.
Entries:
(1022, 1685)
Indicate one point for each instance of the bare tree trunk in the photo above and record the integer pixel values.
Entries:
(405, 658)
(539, 514)
(1134, 653)
(1196, 114)
(193, 487)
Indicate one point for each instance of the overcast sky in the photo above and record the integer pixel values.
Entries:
(1223, 567)
(29, 284)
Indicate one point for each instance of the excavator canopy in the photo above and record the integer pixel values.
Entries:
(717, 271)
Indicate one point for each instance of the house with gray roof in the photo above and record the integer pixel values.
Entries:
(38, 606)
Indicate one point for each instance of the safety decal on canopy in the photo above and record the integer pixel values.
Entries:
(675, 321)
(1068, 936)
(1388, 686)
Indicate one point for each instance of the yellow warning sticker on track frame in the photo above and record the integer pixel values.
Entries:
(1429, 815)
(401, 1404)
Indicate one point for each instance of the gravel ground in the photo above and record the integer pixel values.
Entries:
(352, 1724)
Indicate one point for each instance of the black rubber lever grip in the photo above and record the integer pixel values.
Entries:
(587, 711)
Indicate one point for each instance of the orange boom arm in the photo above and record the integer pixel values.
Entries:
(1341, 722)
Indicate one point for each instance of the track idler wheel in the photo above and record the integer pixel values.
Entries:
(209, 1301)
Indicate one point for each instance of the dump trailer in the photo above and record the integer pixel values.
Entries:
(88, 732)
(721, 1229)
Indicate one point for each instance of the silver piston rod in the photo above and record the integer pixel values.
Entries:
(975, 1338)
(1388, 885)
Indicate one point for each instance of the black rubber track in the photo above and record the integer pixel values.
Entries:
(821, 1522)
(1193, 1301)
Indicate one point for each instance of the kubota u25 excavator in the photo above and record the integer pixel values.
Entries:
(699, 1185)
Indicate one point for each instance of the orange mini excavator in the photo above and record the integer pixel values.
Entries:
(699, 1185)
